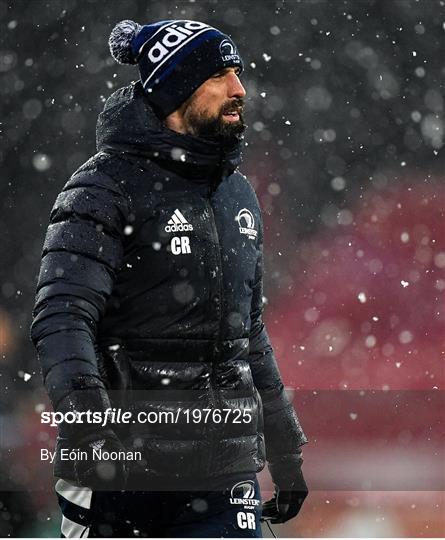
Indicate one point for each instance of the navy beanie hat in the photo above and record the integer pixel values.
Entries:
(174, 57)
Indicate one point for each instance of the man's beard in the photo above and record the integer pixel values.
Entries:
(215, 127)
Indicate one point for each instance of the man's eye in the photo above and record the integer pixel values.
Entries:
(220, 74)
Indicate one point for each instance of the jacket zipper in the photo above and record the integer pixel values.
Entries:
(218, 299)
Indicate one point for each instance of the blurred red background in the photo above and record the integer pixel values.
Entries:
(359, 336)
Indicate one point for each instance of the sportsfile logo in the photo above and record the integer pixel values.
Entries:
(170, 38)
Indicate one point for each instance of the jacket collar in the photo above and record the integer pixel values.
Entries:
(128, 125)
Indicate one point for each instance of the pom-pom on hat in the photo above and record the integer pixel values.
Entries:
(174, 57)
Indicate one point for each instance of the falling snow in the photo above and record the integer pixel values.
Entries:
(344, 147)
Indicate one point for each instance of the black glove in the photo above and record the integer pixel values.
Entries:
(290, 489)
(98, 472)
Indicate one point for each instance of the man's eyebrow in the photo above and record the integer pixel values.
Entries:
(237, 70)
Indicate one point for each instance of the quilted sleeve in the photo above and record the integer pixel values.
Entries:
(82, 251)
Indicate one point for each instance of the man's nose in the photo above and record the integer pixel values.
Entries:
(235, 88)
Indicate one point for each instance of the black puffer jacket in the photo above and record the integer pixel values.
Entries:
(150, 297)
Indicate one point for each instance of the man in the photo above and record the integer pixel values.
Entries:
(149, 301)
